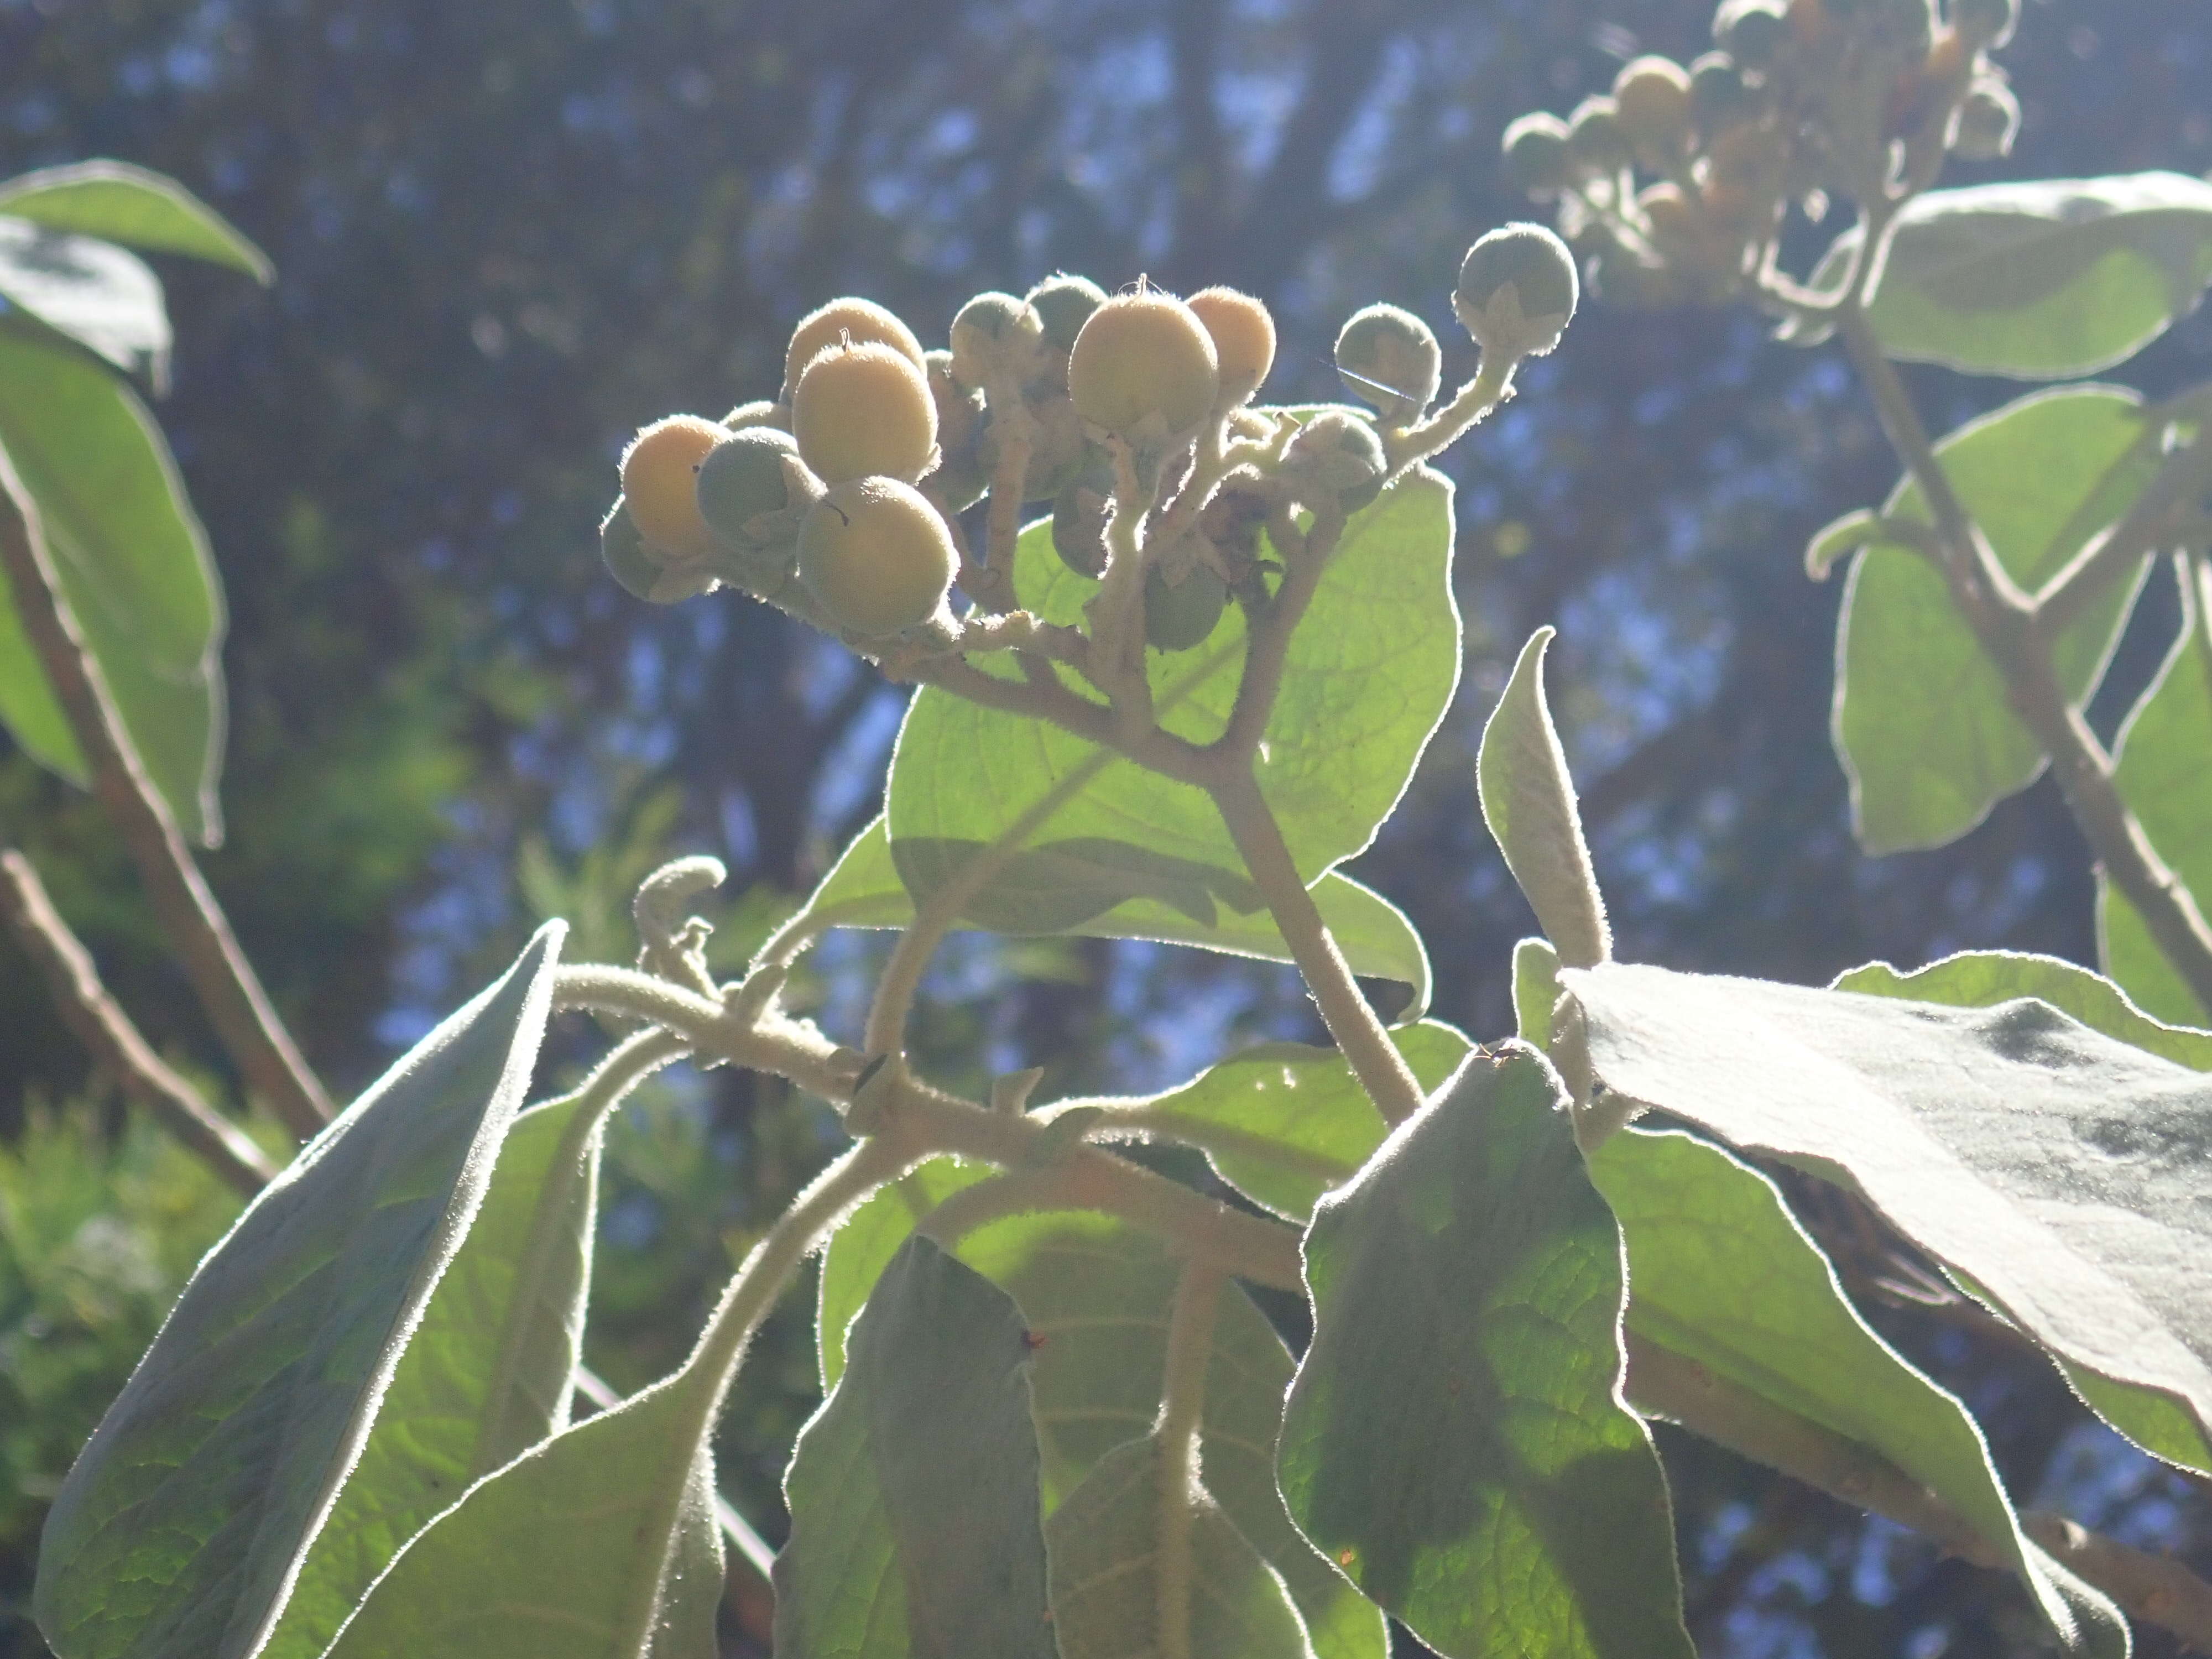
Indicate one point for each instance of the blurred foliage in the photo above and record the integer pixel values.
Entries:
(507, 234)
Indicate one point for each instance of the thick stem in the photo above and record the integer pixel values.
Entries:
(1183, 1410)
(98, 1021)
(1408, 446)
(1375, 1060)
(1267, 647)
(221, 976)
(1661, 1383)
(2004, 621)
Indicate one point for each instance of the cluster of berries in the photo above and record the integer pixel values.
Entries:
(1800, 102)
(837, 500)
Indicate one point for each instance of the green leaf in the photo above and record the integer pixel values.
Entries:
(864, 1245)
(1985, 979)
(601, 1543)
(1721, 1273)
(1283, 1122)
(90, 291)
(1535, 991)
(864, 889)
(487, 1374)
(2055, 1167)
(1922, 720)
(2163, 768)
(1454, 1439)
(134, 565)
(1528, 801)
(179, 1529)
(134, 206)
(1104, 1585)
(915, 1527)
(1368, 677)
(1100, 1294)
(2039, 280)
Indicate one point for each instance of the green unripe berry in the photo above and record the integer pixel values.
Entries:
(1989, 121)
(1597, 144)
(1985, 22)
(1243, 336)
(1718, 97)
(858, 322)
(621, 548)
(1144, 361)
(1336, 459)
(996, 336)
(1181, 615)
(863, 411)
(1065, 303)
(1752, 31)
(1517, 290)
(876, 556)
(761, 411)
(1536, 160)
(742, 478)
(1389, 358)
(1652, 96)
(657, 479)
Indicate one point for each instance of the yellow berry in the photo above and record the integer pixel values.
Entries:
(876, 555)
(1243, 336)
(658, 473)
(1142, 356)
(864, 410)
(860, 321)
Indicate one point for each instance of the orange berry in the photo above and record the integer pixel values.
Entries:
(659, 472)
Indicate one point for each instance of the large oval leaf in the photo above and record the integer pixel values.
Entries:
(2041, 279)
(134, 565)
(1370, 674)
(915, 1526)
(90, 291)
(863, 889)
(1455, 1439)
(178, 1533)
(2056, 1168)
(132, 205)
(2163, 772)
(1922, 720)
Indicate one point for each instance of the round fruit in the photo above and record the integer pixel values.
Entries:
(1718, 96)
(863, 411)
(1142, 356)
(1179, 615)
(1676, 224)
(1653, 97)
(1752, 31)
(1985, 22)
(1536, 158)
(761, 411)
(1066, 302)
(1988, 120)
(876, 556)
(1517, 290)
(1597, 144)
(743, 477)
(995, 335)
(1336, 455)
(1079, 513)
(658, 472)
(1243, 336)
(623, 550)
(860, 321)
(1390, 359)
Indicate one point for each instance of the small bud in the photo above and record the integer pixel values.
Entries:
(1516, 291)
(860, 322)
(876, 556)
(1243, 336)
(1597, 144)
(1142, 360)
(1179, 615)
(865, 411)
(1653, 97)
(742, 478)
(1989, 121)
(623, 549)
(761, 411)
(996, 337)
(1336, 458)
(658, 472)
(1389, 358)
(1987, 23)
(1718, 97)
(1065, 303)
(1752, 31)
(1536, 160)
